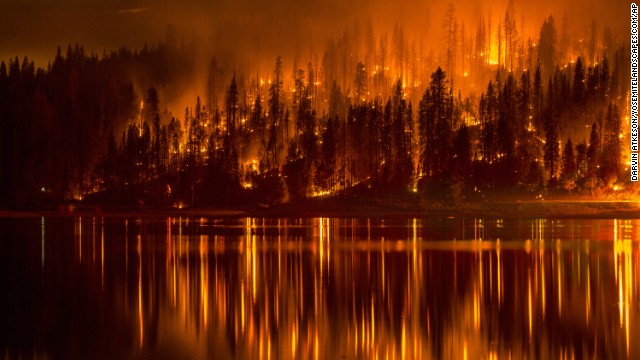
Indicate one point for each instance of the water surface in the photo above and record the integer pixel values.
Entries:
(318, 288)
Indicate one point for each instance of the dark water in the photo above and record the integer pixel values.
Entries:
(319, 288)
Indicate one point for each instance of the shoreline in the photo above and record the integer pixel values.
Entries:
(342, 208)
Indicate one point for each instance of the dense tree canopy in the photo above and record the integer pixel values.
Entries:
(99, 127)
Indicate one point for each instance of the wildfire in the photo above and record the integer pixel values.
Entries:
(321, 193)
(251, 164)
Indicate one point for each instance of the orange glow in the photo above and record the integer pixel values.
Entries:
(240, 302)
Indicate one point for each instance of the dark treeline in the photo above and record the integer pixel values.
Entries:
(82, 128)
(55, 123)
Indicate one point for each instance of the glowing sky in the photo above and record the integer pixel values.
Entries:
(36, 27)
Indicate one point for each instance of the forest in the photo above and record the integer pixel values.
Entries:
(491, 113)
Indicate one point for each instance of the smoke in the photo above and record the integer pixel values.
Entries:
(35, 28)
(245, 36)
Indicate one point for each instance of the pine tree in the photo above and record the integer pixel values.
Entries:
(578, 82)
(551, 150)
(581, 160)
(537, 99)
(593, 152)
(435, 125)
(360, 83)
(568, 162)
(547, 46)
(275, 113)
(461, 168)
(610, 167)
(402, 167)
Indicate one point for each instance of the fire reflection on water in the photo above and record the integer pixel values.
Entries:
(325, 288)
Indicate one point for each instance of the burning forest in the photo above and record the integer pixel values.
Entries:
(463, 107)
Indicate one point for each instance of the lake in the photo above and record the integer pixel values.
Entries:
(94, 287)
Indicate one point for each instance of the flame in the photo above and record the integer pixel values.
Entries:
(321, 193)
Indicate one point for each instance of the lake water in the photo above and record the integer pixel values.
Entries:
(318, 288)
